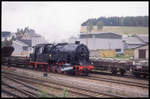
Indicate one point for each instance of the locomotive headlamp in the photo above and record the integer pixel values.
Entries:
(49, 55)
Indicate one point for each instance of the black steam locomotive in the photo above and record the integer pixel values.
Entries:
(62, 58)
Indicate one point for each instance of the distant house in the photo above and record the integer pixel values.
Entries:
(38, 39)
(141, 52)
(25, 42)
(33, 38)
(132, 42)
(102, 44)
(19, 35)
(135, 41)
(5, 35)
(21, 48)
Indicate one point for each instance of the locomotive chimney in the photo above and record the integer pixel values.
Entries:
(77, 42)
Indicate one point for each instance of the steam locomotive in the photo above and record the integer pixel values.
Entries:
(67, 58)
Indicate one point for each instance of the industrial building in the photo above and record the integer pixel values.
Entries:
(102, 44)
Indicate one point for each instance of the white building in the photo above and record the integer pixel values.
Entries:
(101, 41)
(21, 49)
(5, 35)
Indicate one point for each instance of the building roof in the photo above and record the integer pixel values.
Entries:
(5, 34)
(34, 34)
(29, 36)
(141, 46)
(132, 40)
(107, 35)
(143, 38)
(137, 39)
(20, 43)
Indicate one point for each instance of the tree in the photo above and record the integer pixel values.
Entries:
(89, 26)
(119, 21)
(99, 25)
(7, 42)
(13, 38)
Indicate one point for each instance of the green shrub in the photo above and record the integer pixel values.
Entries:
(45, 94)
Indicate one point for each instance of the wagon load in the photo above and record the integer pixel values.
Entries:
(7, 51)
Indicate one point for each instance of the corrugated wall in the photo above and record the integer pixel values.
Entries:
(96, 43)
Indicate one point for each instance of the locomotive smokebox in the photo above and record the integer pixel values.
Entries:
(77, 42)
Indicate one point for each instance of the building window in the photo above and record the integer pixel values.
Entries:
(25, 48)
(118, 50)
(142, 53)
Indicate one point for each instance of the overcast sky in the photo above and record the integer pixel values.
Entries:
(59, 20)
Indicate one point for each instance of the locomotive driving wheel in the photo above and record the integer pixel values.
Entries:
(65, 73)
(77, 72)
(54, 69)
(85, 72)
(114, 71)
(59, 70)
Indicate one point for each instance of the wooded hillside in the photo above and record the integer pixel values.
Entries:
(119, 21)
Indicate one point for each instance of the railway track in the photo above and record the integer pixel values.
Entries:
(8, 94)
(38, 83)
(118, 81)
(15, 61)
(118, 75)
(73, 90)
(15, 91)
(34, 83)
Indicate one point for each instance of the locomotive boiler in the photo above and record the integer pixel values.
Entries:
(72, 58)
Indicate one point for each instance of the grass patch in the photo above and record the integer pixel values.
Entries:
(126, 29)
(122, 56)
(65, 93)
(44, 94)
(9, 70)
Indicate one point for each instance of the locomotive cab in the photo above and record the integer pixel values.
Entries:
(41, 53)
